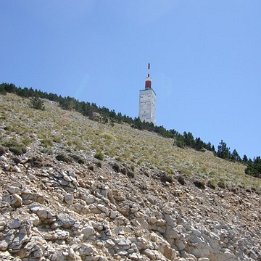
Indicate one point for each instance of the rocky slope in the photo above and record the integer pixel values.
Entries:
(108, 209)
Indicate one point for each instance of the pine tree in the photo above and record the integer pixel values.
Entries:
(235, 156)
(223, 151)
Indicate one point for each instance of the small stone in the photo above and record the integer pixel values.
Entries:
(17, 169)
(86, 250)
(65, 220)
(68, 199)
(15, 223)
(88, 231)
(3, 245)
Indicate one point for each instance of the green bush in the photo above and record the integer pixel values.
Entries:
(211, 184)
(64, 158)
(37, 103)
(15, 147)
(46, 143)
(164, 177)
(99, 155)
(199, 184)
(221, 184)
(77, 158)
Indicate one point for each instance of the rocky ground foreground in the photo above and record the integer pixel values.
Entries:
(104, 210)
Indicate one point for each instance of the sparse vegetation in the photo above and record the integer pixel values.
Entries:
(70, 133)
(99, 155)
(15, 147)
(64, 158)
(77, 158)
(199, 184)
(211, 184)
(37, 103)
(2, 150)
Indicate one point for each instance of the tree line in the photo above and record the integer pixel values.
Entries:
(106, 115)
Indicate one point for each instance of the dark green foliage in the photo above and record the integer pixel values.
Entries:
(123, 170)
(187, 140)
(18, 150)
(8, 87)
(199, 184)
(77, 158)
(221, 184)
(254, 168)
(36, 162)
(179, 141)
(223, 151)
(181, 180)
(245, 159)
(2, 150)
(211, 184)
(37, 103)
(64, 158)
(2, 90)
(130, 173)
(116, 167)
(164, 177)
(15, 147)
(99, 155)
(46, 143)
(235, 156)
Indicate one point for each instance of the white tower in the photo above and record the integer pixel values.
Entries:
(147, 103)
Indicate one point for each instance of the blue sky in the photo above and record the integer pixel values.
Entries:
(205, 59)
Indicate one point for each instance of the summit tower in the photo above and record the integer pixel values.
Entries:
(147, 101)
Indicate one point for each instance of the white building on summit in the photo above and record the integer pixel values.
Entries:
(147, 102)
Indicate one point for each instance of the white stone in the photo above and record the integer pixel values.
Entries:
(88, 231)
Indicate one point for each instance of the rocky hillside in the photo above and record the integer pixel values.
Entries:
(72, 189)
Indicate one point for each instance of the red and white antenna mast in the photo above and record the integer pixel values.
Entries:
(148, 80)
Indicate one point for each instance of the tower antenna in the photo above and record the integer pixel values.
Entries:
(148, 70)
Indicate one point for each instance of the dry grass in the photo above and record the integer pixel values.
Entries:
(76, 132)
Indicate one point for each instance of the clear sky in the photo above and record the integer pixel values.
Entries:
(205, 59)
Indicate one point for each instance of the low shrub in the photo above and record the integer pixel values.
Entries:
(18, 150)
(64, 158)
(15, 147)
(130, 173)
(99, 155)
(116, 167)
(37, 103)
(221, 184)
(2, 150)
(46, 143)
(36, 162)
(181, 180)
(211, 184)
(77, 158)
(199, 184)
(165, 177)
